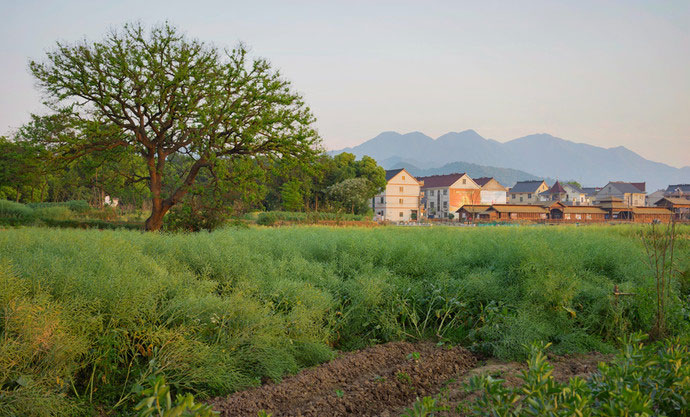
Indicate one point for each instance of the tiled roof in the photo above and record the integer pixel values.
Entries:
(435, 181)
(627, 187)
(526, 187)
(477, 208)
(676, 201)
(519, 208)
(557, 188)
(641, 185)
(584, 209)
(482, 180)
(682, 187)
(390, 173)
(650, 210)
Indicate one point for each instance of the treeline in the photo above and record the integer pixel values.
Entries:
(31, 172)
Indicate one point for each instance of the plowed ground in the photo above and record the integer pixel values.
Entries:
(383, 380)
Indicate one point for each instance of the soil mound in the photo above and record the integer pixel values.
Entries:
(370, 382)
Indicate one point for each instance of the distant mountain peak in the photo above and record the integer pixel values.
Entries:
(540, 154)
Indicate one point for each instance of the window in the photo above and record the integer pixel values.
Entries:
(400, 200)
(464, 181)
(513, 215)
(431, 204)
(589, 217)
(431, 193)
(445, 204)
(403, 178)
(528, 196)
(578, 217)
(567, 216)
(521, 199)
(513, 195)
(401, 189)
(445, 192)
(401, 214)
(381, 200)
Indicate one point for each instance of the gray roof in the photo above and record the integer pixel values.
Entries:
(390, 173)
(573, 188)
(590, 190)
(626, 187)
(526, 186)
(682, 187)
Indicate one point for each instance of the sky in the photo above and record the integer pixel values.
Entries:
(613, 73)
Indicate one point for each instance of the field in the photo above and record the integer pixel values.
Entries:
(88, 315)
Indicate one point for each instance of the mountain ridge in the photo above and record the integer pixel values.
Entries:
(541, 155)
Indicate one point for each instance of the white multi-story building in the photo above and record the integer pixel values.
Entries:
(400, 200)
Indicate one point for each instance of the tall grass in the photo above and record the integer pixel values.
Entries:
(218, 312)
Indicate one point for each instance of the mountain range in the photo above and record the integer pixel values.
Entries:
(539, 155)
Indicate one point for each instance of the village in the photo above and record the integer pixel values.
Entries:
(459, 198)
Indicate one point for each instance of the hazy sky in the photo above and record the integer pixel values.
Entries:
(605, 73)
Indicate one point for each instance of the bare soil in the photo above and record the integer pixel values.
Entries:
(383, 381)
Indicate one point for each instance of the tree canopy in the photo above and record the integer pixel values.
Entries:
(163, 94)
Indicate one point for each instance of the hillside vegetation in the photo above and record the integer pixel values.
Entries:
(87, 315)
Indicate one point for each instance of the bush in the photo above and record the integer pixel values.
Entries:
(53, 213)
(266, 219)
(77, 206)
(16, 211)
(641, 380)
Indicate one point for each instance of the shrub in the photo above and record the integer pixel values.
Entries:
(641, 380)
(53, 213)
(17, 211)
(266, 219)
(77, 206)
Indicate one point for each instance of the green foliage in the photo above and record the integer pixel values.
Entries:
(266, 219)
(291, 195)
(426, 407)
(17, 211)
(641, 380)
(159, 94)
(223, 311)
(157, 402)
(77, 206)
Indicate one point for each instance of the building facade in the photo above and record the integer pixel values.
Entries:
(527, 192)
(630, 193)
(444, 194)
(400, 200)
(566, 193)
(492, 191)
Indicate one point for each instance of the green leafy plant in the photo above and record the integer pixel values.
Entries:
(157, 402)
(641, 380)
(426, 407)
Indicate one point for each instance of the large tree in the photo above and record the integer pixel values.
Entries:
(163, 93)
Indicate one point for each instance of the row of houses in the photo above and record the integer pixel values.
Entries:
(458, 196)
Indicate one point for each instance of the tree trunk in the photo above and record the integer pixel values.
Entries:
(159, 205)
(155, 220)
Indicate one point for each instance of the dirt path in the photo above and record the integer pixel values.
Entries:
(382, 381)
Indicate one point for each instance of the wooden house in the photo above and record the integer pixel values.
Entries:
(651, 214)
(680, 207)
(473, 212)
(515, 212)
